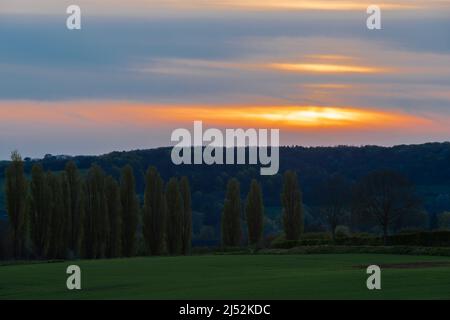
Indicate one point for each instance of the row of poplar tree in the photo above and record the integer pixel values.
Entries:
(291, 200)
(66, 215)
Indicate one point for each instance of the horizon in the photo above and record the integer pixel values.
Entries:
(281, 147)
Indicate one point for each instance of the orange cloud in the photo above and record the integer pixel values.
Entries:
(332, 86)
(324, 68)
(114, 114)
(297, 117)
(337, 5)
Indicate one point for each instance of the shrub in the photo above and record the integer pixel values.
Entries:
(285, 244)
(314, 242)
(444, 220)
(418, 239)
(410, 230)
(342, 232)
(203, 250)
(5, 241)
(316, 236)
(268, 240)
(288, 244)
(226, 250)
(424, 238)
(356, 240)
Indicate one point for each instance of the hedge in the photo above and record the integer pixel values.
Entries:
(406, 250)
(426, 239)
(422, 239)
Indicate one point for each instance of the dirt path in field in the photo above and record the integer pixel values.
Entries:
(410, 265)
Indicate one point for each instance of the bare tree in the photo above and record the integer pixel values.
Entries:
(385, 196)
(335, 200)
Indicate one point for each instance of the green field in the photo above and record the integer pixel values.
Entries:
(234, 277)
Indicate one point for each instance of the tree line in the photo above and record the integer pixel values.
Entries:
(383, 198)
(292, 215)
(69, 215)
(66, 215)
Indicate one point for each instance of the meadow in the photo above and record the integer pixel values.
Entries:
(331, 276)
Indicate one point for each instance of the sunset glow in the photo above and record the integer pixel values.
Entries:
(113, 114)
(150, 6)
(324, 68)
(319, 4)
(299, 117)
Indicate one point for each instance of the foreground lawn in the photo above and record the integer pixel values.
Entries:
(233, 277)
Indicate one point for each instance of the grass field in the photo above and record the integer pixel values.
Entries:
(233, 277)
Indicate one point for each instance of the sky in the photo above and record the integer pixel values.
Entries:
(139, 69)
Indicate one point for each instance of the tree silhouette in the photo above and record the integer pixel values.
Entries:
(16, 194)
(154, 212)
(231, 217)
(255, 214)
(385, 196)
(187, 215)
(174, 217)
(291, 198)
(130, 208)
(76, 209)
(96, 217)
(335, 198)
(114, 207)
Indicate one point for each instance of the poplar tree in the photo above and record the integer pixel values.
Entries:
(114, 207)
(187, 216)
(39, 211)
(174, 217)
(58, 217)
(231, 217)
(16, 195)
(291, 199)
(130, 207)
(96, 217)
(154, 212)
(76, 209)
(255, 214)
(66, 207)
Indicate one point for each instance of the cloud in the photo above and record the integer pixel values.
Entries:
(93, 127)
(324, 68)
(216, 60)
(170, 7)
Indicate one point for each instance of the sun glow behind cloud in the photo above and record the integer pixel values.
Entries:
(299, 117)
(324, 68)
(329, 64)
(95, 127)
(335, 5)
(113, 114)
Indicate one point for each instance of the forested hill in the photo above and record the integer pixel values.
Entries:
(427, 165)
